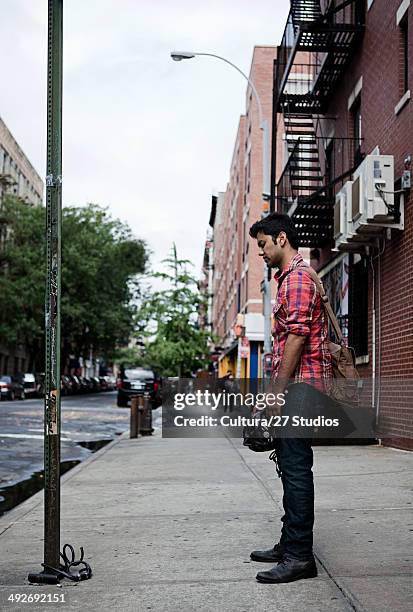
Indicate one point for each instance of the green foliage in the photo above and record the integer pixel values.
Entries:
(168, 318)
(22, 272)
(100, 262)
(130, 357)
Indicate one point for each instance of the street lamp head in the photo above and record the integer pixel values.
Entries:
(177, 56)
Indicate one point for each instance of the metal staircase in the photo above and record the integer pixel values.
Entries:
(302, 178)
(305, 170)
(318, 44)
(305, 11)
(319, 41)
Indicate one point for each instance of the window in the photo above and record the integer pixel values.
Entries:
(330, 172)
(403, 31)
(247, 174)
(358, 302)
(357, 129)
(404, 54)
(243, 242)
(245, 246)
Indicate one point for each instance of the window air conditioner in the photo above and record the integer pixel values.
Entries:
(341, 226)
(345, 239)
(372, 197)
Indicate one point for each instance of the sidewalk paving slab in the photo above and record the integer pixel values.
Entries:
(169, 524)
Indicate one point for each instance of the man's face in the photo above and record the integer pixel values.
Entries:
(271, 251)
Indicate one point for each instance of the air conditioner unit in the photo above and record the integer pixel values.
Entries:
(345, 238)
(341, 226)
(372, 197)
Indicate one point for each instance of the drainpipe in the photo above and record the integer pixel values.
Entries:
(373, 345)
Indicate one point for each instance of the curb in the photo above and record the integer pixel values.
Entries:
(16, 514)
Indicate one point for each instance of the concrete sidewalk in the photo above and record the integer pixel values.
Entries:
(169, 524)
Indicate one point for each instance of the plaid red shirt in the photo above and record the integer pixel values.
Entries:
(299, 310)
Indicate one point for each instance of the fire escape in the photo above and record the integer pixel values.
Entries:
(319, 41)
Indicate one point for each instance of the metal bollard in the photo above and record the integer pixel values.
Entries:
(146, 425)
(140, 413)
(135, 417)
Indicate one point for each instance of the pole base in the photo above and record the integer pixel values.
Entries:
(52, 575)
(45, 577)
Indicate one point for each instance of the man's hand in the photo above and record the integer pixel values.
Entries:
(273, 403)
(291, 357)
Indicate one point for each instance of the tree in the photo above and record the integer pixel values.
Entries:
(168, 318)
(100, 263)
(22, 276)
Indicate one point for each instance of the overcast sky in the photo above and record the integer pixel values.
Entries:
(148, 137)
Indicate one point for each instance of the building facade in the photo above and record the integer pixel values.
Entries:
(235, 283)
(17, 175)
(342, 85)
(20, 179)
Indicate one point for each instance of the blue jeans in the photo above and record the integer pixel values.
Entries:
(295, 461)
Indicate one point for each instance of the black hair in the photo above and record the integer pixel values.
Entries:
(273, 224)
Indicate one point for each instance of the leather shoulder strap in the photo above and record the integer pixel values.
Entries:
(326, 302)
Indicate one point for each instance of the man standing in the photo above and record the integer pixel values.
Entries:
(300, 353)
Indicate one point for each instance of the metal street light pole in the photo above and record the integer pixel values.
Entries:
(53, 569)
(178, 56)
(54, 225)
(52, 301)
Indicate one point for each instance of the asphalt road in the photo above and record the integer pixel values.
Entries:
(86, 422)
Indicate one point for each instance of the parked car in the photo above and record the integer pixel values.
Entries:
(11, 388)
(136, 381)
(96, 386)
(103, 383)
(84, 384)
(66, 385)
(28, 380)
(110, 382)
(40, 384)
(76, 386)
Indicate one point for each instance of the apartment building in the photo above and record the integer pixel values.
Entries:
(235, 284)
(17, 175)
(205, 282)
(343, 88)
(20, 179)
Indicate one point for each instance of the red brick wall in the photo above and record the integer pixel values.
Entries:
(377, 61)
(227, 230)
(233, 253)
(261, 75)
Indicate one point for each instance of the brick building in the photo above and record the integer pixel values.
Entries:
(235, 284)
(17, 175)
(20, 179)
(342, 84)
